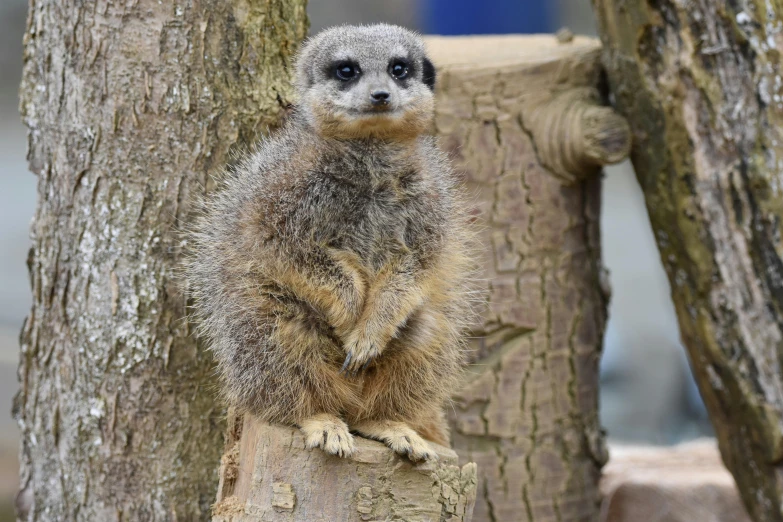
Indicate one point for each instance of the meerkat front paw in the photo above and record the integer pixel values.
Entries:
(399, 437)
(329, 433)
(361, 350)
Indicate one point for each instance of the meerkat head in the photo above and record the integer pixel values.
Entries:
(366, 81)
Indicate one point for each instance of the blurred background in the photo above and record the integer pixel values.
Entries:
(647, 394)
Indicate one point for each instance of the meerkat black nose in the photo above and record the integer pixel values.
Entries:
(380, 97)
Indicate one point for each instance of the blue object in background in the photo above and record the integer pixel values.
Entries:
(455, 17)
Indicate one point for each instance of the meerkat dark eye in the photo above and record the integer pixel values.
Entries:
(346, 71)
(399, 69)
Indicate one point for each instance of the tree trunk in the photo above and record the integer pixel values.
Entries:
(269, 476)
(700, 83)
(129, 106)
(521, 116)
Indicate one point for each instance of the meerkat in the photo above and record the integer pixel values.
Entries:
(330, 270)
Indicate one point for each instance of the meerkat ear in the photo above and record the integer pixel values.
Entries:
(428, 73)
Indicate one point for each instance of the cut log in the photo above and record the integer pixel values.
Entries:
(268, 475)
(684, 483)
(523, 121)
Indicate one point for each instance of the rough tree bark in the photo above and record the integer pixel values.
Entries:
(522, 118)
(700, 83)
(129, 105)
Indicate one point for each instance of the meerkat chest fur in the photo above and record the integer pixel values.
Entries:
(380, 201)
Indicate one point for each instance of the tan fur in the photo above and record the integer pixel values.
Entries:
(398, 436)
(412, 123)
(331, 271)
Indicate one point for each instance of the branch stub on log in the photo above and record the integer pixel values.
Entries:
(574, 134)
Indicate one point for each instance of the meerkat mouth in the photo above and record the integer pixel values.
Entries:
(378, 112)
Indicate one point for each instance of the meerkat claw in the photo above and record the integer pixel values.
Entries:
(399, 437)
(347, 362)
(358, 359)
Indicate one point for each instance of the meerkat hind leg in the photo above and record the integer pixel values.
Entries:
(329, 433)
(399, 437)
